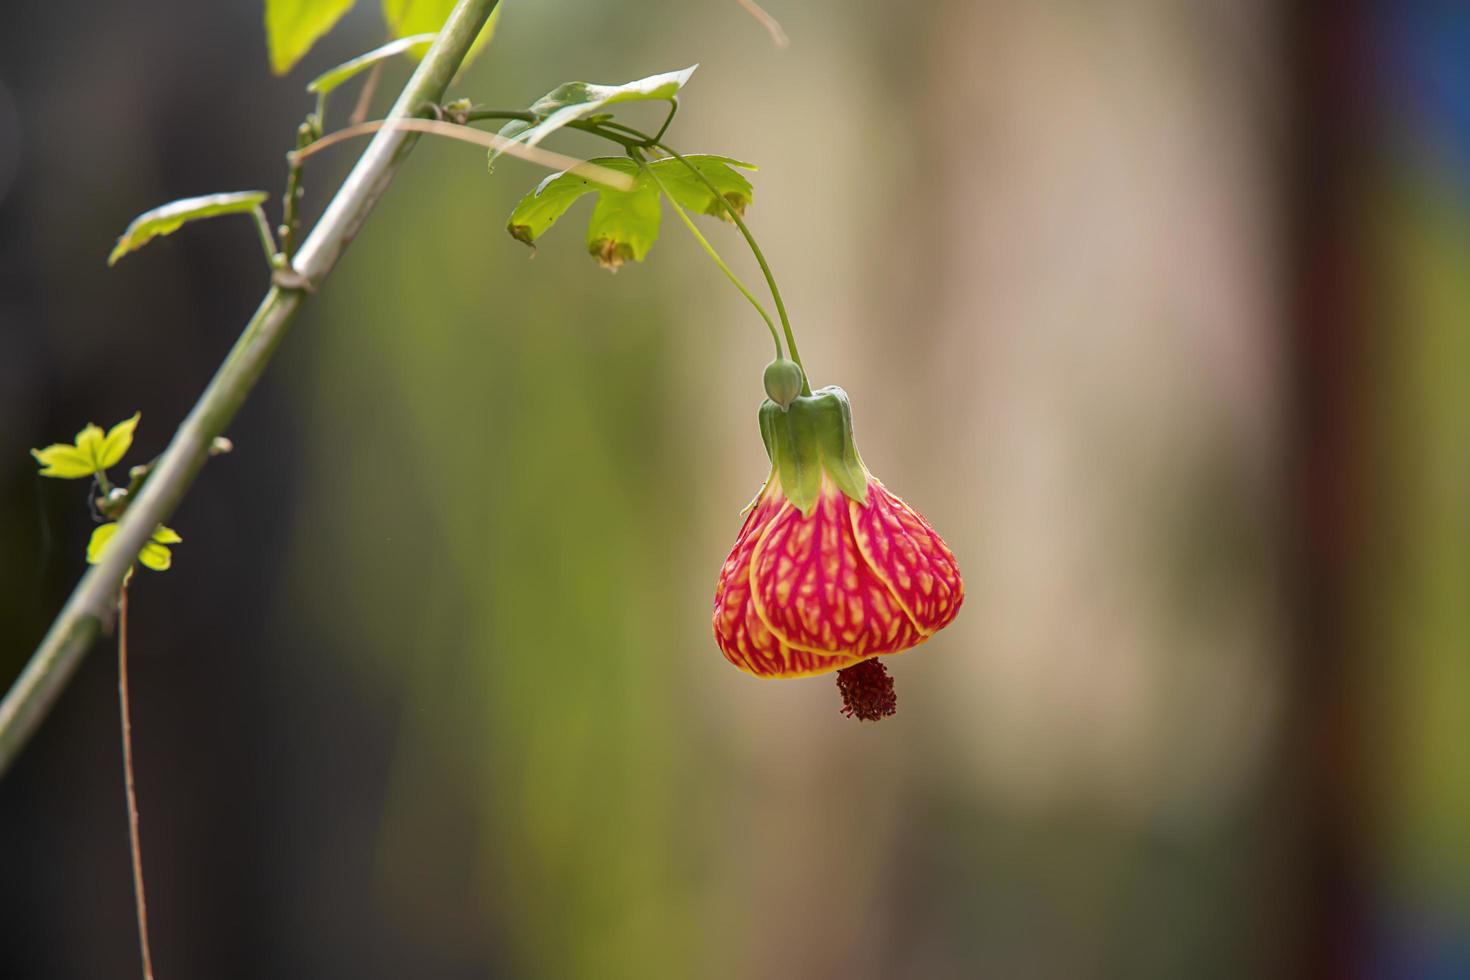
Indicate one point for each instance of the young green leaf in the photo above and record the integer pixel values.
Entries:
(571, 101)
(694, 194)
(408, 17)
(293, 26)
(168, 218)
(540, 209)
(624, 224)
(334, 77)
(155, 554)
(92, 453)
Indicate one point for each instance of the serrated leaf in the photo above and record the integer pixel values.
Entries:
(408, 17)
(571, 101)
(541, 208)
(168, 218)
(92, 452)
(155, 554)
(293, 26)
(334, 77)
(694, 194)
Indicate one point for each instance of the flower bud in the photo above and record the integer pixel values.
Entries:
(783, 380)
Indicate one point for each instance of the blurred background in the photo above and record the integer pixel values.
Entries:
(1159, 310)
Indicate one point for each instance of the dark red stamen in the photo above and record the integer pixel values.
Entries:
(867, 691)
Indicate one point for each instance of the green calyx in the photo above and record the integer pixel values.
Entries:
(811, 437)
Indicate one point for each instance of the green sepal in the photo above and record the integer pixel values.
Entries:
(812, 437)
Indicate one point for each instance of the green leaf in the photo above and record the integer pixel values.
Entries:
(334, 77)
(166, 535)
(408, 17)
(64, 462)
(98, 545)
(119, 440)
(293, 26)
(156, 557)
(571, 101)
(155, 554)
(540, 209)
(694, 194)
(168, 218)
(624, 224)
(92, 452)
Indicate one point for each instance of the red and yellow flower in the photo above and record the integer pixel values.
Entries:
(831, 570)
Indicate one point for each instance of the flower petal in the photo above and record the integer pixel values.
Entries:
(909, 557)
(813, 590)
(742, 635)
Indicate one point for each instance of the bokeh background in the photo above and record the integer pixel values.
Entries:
(1158, 309)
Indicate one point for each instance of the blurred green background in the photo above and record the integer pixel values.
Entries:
(1159, 311)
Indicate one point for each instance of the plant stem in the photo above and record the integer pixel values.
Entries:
(673, 110)
(134, 840)
(806, 387)
(475, 113)
(95, 598)
(272, 259)
(306, 133)
(710, 249)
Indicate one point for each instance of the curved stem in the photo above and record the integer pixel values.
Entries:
(760, 258)
(639, 138)
(673, 110)
(134, 841)
(710, 250)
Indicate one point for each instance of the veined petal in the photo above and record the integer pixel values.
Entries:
(743, 637)
(909, 557)
(813, 590)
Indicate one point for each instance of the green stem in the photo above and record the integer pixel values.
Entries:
(475, 113)
(710, 250)
(94, 601)
(673, 110)
(806, 387)
(307, 133)
(272, 258)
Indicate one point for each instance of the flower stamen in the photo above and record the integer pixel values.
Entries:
(867, 691)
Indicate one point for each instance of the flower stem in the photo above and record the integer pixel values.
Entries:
(760, 258)
(635, 140)
(134, 841)
(710, 250)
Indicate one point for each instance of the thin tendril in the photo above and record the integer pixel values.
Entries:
(710, 249)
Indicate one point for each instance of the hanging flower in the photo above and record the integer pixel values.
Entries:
(830, 570)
